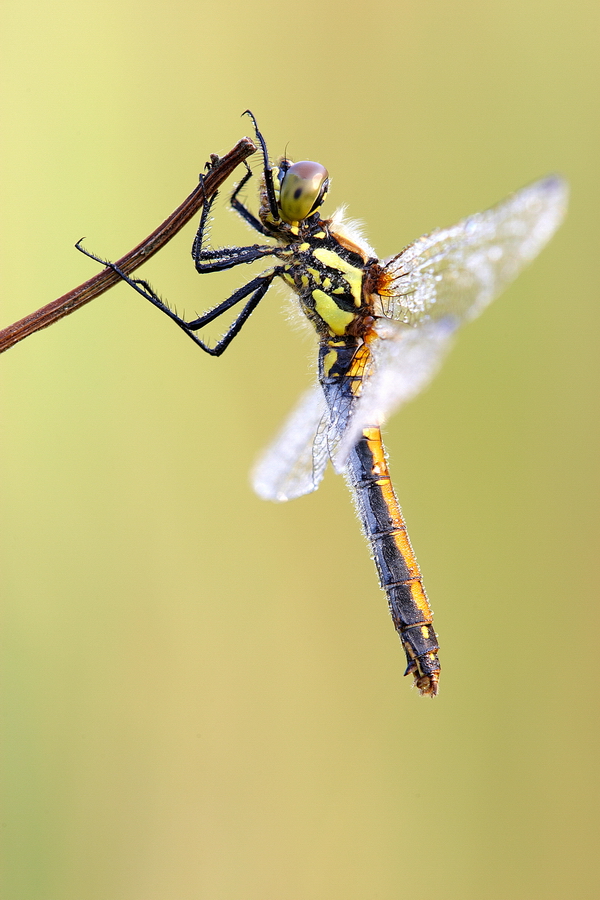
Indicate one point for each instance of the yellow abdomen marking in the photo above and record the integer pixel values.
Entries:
(401, 539)
(328, 361)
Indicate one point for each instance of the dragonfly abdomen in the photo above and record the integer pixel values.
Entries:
(399, 575)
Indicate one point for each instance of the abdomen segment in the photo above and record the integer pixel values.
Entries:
(399, 575)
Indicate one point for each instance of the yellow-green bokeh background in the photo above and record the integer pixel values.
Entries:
(202, 694)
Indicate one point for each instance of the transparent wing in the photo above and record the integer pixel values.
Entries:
(403, 361)
(424, 294)
(457, 271)
(295, 462)
(440, 281)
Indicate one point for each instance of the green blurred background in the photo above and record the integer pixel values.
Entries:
(202, 694)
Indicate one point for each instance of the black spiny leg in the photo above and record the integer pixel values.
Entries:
(226, 257)
(255, 289)
(217, 261)
(268, 172)
(241, 210)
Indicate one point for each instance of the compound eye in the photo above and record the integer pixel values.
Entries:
(303, 190)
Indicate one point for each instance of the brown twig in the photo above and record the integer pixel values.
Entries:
(68, 303)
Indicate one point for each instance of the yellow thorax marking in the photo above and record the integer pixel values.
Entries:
(352, 275)
(326, 307)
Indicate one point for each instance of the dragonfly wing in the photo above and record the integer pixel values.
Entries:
(295, 462)
(341, 403)
(403, 361)
(440, 281)
(457, 271)
(423, 295)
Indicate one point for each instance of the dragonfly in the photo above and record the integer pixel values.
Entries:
(383, 329)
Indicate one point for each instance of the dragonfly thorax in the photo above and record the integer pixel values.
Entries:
(328, 280)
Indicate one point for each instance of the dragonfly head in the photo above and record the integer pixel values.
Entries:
(291, 192)
(303, 187)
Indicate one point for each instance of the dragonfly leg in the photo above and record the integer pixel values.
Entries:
(267, 171)
(207, 260)
(255, 289)
(242, 210)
